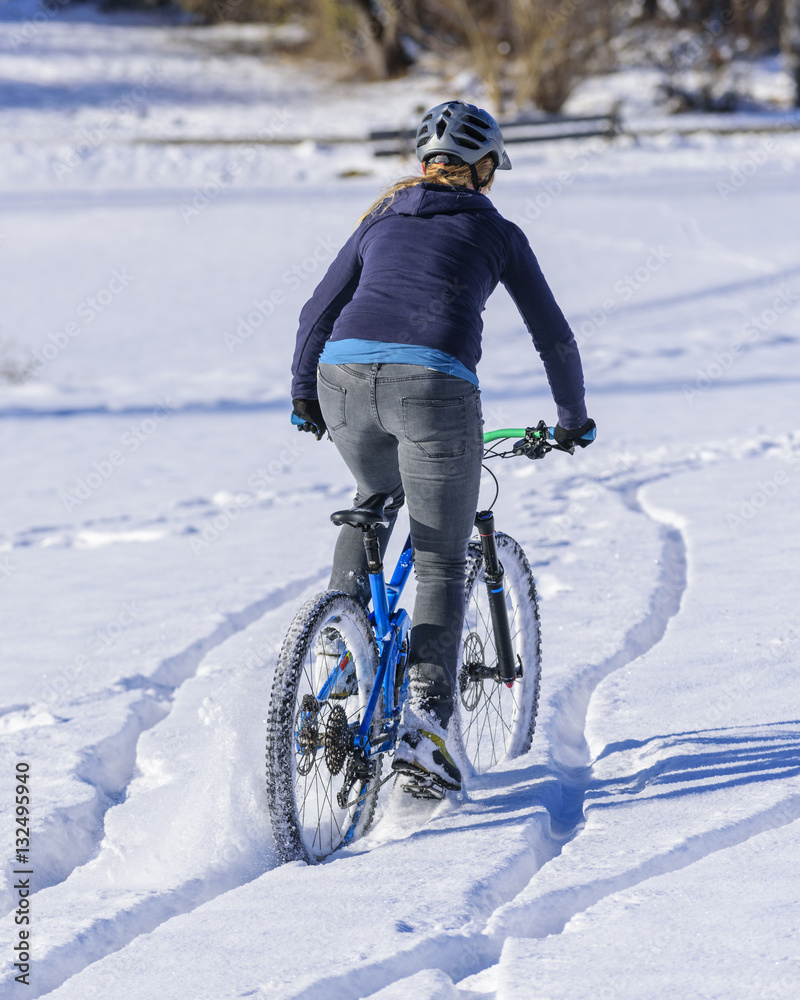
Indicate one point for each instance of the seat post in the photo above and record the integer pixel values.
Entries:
(373, 550)
(377, 586)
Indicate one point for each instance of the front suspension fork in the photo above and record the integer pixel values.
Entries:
(493, 572)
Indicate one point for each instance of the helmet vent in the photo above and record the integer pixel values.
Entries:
(469, 143)
(473, 120)
(473, 133)
(441, 125)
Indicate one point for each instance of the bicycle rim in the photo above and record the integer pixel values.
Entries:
(309, 734)
(497, 722)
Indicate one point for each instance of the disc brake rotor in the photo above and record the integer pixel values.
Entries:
(471, 686)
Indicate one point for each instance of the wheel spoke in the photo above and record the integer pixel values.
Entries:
(492, 728)
(307, 819)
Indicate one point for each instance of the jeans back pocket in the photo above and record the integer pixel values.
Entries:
(331, 399)
(438, 427)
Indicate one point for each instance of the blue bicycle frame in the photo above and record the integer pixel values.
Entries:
(391, 626)
(391, 629)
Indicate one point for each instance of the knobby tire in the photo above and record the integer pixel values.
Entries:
(496, 722)
(307, 822)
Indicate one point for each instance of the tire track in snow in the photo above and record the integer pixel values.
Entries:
(180, 520)
(475, 950)
(100, 935)
(463, 954)
(550, 913)
(456, 953)
(70, 832)
(572, 758)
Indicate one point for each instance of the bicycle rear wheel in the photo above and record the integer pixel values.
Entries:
(321, 793)
(497, 722)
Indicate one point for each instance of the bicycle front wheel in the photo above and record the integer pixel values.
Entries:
(321, 793)
(497, 722)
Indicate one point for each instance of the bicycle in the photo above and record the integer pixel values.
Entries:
(340, 682)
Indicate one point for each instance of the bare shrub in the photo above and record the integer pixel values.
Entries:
(16, 363)
(245, 11)
(528, 51)
(558, 47)
(790, 43)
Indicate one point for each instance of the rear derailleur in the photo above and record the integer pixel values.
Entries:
(359, 768)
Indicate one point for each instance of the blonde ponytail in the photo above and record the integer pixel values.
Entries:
(435, 173)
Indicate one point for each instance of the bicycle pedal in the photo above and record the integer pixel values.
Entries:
(422, 787)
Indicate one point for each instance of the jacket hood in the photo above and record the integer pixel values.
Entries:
(439, 199)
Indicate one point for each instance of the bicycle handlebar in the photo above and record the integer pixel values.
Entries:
(508, 432)
(534, 442)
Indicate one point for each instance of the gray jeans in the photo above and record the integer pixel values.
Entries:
(416, 433)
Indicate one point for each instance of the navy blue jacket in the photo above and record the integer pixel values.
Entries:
(420, 273)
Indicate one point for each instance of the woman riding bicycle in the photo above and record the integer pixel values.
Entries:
(386, 355)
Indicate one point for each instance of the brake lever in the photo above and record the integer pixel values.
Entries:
(537, 443)
(531, 448)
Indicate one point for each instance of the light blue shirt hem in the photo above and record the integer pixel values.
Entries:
(364, 352)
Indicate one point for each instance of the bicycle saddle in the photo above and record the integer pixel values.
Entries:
(367, 515)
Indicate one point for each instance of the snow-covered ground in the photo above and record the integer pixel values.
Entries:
(162, 521)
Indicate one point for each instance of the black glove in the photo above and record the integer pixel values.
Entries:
(307, 416)
(575, 436)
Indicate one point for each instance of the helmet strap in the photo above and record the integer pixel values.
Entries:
(477, 183)
(444, 160)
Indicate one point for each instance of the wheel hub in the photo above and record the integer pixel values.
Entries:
(306, 733)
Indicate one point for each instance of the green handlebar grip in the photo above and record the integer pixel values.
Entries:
(512, 432)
